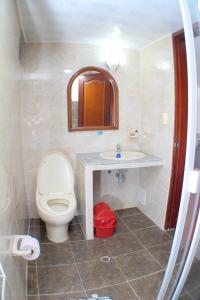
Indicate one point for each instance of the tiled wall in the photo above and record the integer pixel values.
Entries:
(157, 97)
(146, 90)
(13, 210)
(44, 113)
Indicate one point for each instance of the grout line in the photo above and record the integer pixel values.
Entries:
(141, 229)
(110, 254)
(123, 254)
(105, 286)
(92, 261)
(132, 288)
(43, 225)
(125, 225)
(132, 253)
(29, 226)
(127, 253)
(95, 260)
(153, 257)
(158, 245)
(152, 254)
(84, 290)
(52, 243)
(98, 259)
(82, 231)
(56, 265)
(188, 293)
(147, 249)
(190, 289)
(148, 275)
(137, 230)
(64, 294)
(77, 270)
(87, 290)
(138, 213)
(27, 281)
(121, 271)
(38, 295)
(115, 261)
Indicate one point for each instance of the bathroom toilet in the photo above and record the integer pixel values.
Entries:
(55, 198)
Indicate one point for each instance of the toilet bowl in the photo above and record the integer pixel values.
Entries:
(55, 198)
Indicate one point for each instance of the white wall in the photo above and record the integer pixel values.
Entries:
(116, 195)
(12, 194)
(157, 97)
(44, 114)
(146, 90)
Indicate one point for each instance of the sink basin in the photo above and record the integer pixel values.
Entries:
(125, 155)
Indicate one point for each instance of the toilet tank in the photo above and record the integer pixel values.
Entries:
(55, 175)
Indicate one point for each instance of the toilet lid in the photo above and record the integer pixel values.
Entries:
(55, 175)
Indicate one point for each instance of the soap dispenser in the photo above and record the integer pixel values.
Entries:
(118, 151)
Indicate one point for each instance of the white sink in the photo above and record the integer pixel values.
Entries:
(125, 155)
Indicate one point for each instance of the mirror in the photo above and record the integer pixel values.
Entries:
(92, 100)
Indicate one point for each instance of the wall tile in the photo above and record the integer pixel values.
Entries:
(44, 113)
(13, 210)
(146, 90)
(157, 97)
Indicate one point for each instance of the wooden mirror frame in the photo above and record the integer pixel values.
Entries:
(115, 110)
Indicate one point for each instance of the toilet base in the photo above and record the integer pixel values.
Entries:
(57, 233)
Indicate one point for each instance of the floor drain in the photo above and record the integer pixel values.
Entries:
(105, 259)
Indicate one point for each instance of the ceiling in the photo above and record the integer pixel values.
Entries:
(135, 23)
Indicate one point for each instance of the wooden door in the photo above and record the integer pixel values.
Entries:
(180, 130)
(95, 100)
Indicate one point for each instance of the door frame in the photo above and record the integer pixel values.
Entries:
(180, 130)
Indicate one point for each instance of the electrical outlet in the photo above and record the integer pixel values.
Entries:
(165, 118)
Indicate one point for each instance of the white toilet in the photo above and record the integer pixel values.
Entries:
(55, 199)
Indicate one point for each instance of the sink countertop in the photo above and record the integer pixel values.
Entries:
(87, 163)
(95, 162)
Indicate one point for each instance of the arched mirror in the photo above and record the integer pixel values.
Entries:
(92, 100)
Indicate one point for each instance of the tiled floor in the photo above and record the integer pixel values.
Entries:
(138, 250)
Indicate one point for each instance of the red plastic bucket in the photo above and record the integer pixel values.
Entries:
(103, 232)
(99, 207)
(105, 220)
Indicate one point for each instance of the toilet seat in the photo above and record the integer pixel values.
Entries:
(58, 204)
